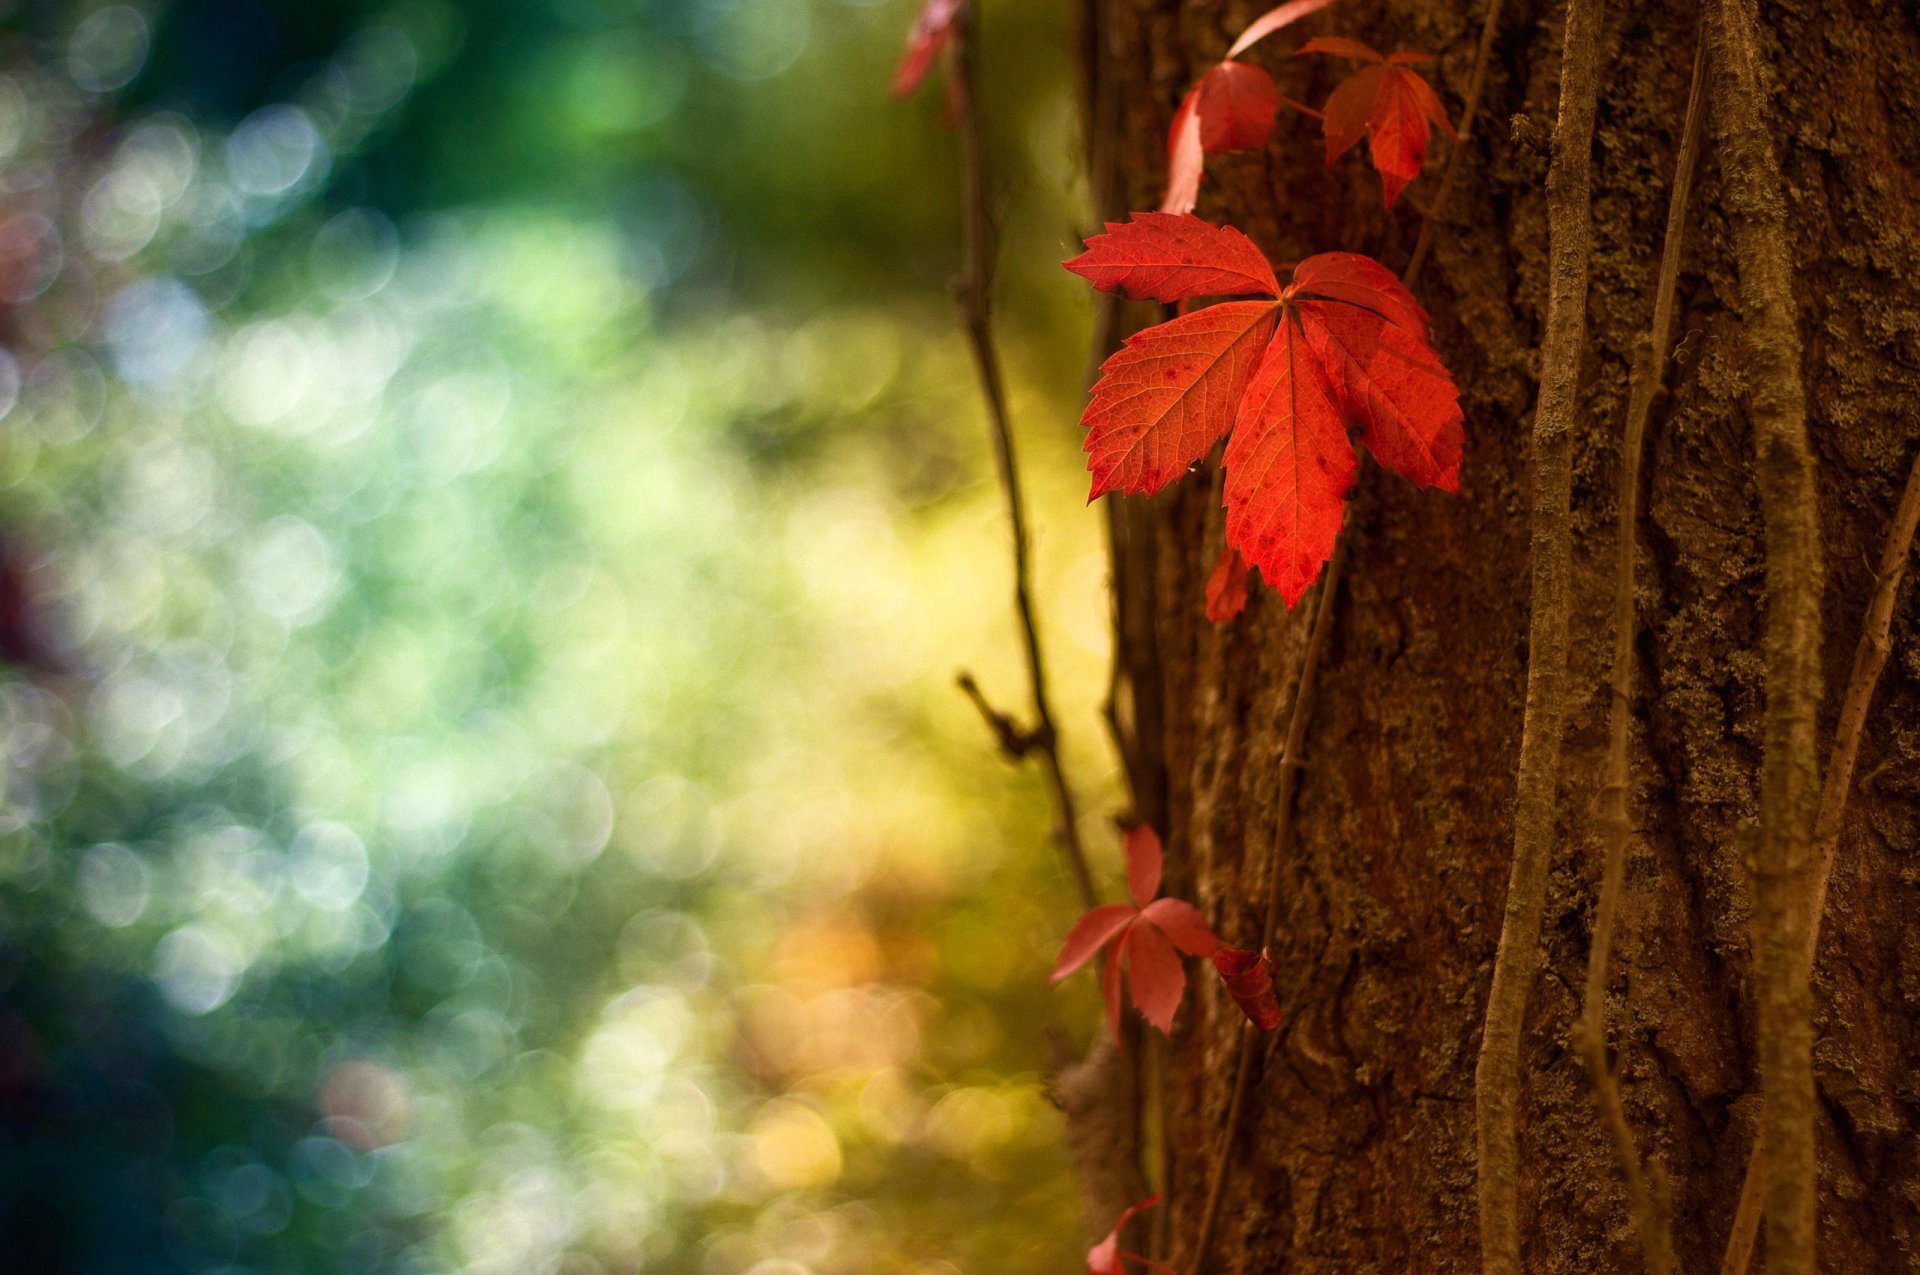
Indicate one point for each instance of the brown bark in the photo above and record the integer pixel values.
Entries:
(1358, 1151)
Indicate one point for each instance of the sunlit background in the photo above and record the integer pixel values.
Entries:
(491, 507)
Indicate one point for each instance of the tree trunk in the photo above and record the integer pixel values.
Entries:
(1358, 1150)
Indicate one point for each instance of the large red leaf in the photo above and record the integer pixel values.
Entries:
(1289, 465)
(1144, 859)
(1183, 925)
(1168, 257)
(1155, 974)
(1095, 928)
(1362, 281)
(1169, 394)
(1237, 106)
(1391, 387)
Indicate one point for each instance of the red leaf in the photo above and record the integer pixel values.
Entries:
(1104, 1258)
(1387, 102)
(1237, 106)
(1169, 394)
(1391, 387)
(1340, 47)
(1186, 157)
(1361, 281)
(1155, 975)
(1249, 980)
(1095, 928)
(1144, 858)
(1289, 465)
(1227, 586)
(1272, 20)
(932, 31)
(1164, 257)
(1183, 925)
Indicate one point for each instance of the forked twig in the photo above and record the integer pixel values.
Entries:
(1646, 1187)
(1496, 1080)
(1869, 658)
(974, 289)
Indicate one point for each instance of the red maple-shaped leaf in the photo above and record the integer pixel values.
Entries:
(931, 34)
(1143, 935)
(1248, 977)
(1341, 351)
(1237, 105)
(1385, 102)
(1162, 257)
(1228, 586)
(1230, 108)
(1105, 1258)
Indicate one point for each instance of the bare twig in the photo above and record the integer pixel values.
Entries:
(1869, 657)
(1646, 1189)
(1497, 1073)
(1468, 114)
(1290, 764)
(1782, 869)
(974, 289)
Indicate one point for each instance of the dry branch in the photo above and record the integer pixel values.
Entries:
(1497, 1073)
(1782, 870)
(975, 288)
(1468, 113)
(1869, 657)
(1646, 1187)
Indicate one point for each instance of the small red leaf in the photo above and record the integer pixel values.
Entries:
(1387, 102)
(1183, 925)
(1093, 930)
(1155, 975)
(932, 31)
(1104, 1258)
(1272, 20)
(1340, 47)
(1169, 394)
(1237, 106)
(1186, 157)
(1144, 858)
(1289, 465)
(1168, 257)
(1249, 980)
(1227, 587)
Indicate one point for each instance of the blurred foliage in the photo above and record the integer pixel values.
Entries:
(490, 507)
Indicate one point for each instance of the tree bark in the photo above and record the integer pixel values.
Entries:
(1358, 1151)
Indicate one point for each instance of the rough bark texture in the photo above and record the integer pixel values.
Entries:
(1359, 1151)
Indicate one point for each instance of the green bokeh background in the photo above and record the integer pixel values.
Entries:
(492, 502)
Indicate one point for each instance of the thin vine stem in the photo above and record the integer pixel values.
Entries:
(1869, 658)
(1789, 779)
(1647, 1195)
(1496, 1080)
(1468, 114)
(1290, 766)
(974, 289)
